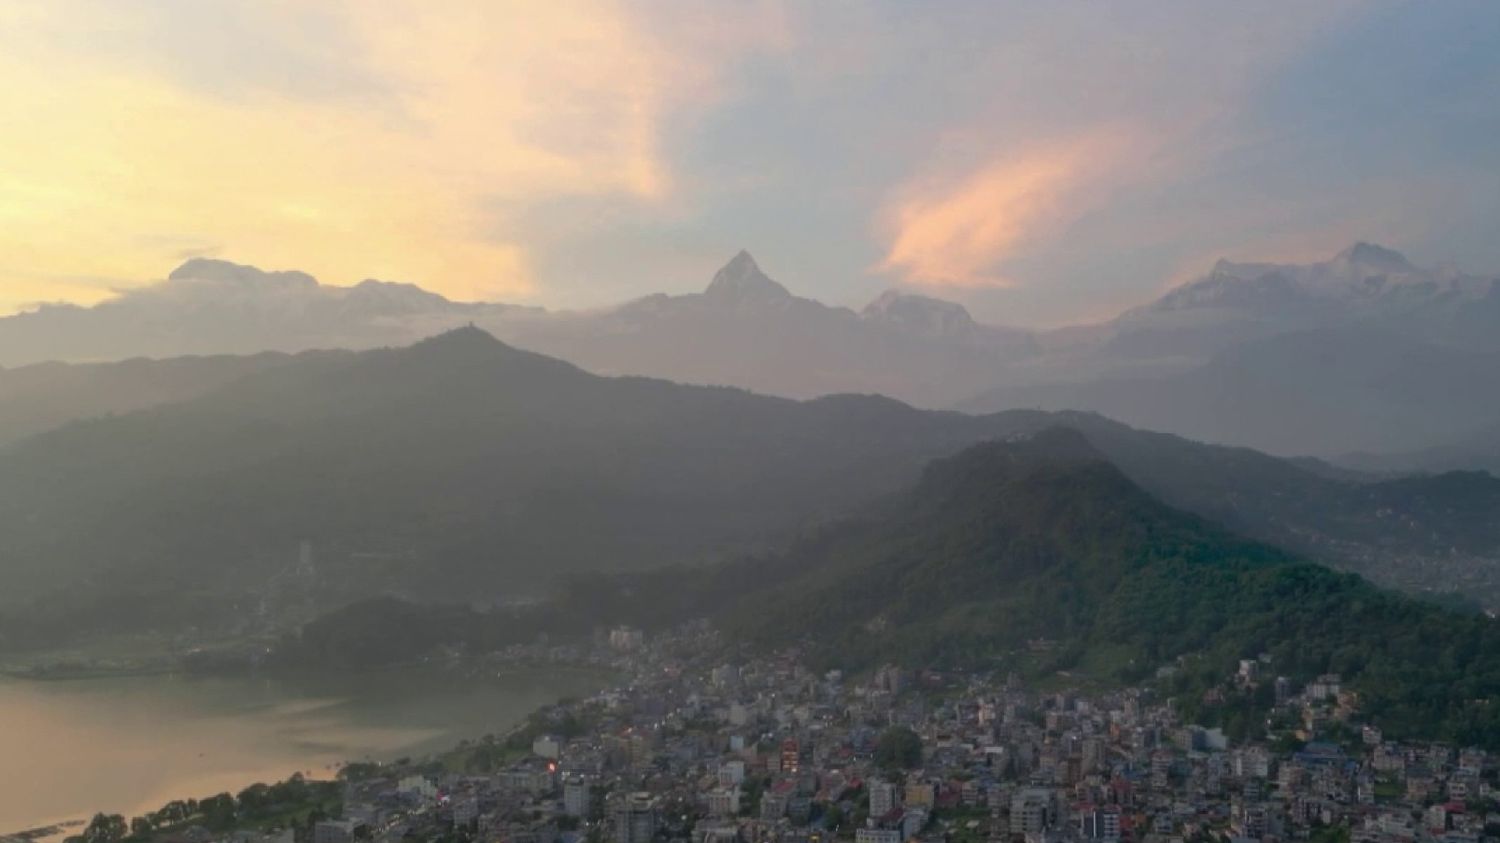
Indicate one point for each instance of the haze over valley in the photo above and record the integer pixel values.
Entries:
(770, 422)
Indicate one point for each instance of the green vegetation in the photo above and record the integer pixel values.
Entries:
(1329, 834)
(295, 802)
(752, 791)
(1011, 543)
(898, 748)
(1038, 557)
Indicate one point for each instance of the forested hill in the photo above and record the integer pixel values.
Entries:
(1040, 555)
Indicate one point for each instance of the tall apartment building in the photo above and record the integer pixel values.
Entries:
(634, 818)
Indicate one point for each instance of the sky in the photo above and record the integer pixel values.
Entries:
(1043, 163)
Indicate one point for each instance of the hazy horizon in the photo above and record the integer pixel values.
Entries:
(759, 421)
(1042, 165)
(689, 286)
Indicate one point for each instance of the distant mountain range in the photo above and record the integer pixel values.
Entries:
(211, 307)
(1477, 451)
(463, 468)
(1361, 353)
(743, 330)
(1364, 352)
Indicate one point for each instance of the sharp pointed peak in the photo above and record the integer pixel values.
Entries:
(742, 259)
(742, 279)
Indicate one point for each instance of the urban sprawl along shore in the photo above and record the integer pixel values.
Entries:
(697, 748)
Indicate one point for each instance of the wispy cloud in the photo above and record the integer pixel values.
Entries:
(959, 231)
(579, 151)
(380, 158)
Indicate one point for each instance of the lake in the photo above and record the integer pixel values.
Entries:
(125, 745)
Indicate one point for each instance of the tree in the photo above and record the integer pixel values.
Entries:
(899, 748)
(255, 799)
(219, 812)
(358, 771)
(105, 828)
(833, 818)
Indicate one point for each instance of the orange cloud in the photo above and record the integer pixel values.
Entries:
(956, 232)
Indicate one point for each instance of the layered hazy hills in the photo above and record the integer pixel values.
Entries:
(42, 396)
(1363, 352)
(473, 468)
(1322, 391)
(1477, 450)
(465, 468)
(1039, 554)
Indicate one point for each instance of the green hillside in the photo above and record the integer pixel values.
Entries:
(1040, 555)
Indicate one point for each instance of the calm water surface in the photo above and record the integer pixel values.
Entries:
(131, 744)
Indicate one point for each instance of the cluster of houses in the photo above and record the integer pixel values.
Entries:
(766, 751)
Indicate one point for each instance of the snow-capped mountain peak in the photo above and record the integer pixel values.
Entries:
(919, 314)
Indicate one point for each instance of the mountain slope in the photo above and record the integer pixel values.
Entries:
(1034, 555)
(1438, 534)
(479, 468)
(43, 396)
(464, 468)
(1009, 544)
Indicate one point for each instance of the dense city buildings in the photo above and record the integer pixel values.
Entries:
(763, 750)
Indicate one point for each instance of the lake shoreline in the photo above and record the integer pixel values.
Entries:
(46, 832)
(300, 723)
